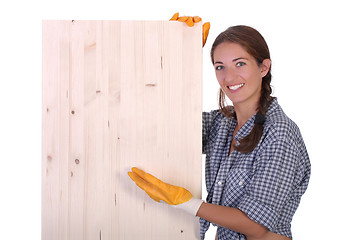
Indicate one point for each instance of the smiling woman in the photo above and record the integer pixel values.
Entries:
(234, 72)
(246, 56)
(257, 167)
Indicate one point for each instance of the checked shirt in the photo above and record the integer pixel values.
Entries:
(267, 183)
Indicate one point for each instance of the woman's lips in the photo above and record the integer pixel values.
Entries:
(236, 87)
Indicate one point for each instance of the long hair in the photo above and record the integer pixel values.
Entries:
(254, 43)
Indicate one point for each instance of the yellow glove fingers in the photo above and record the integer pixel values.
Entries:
(144, 185)
(197, 19)
(174, 17)
(194, 19)
(139, 172)
(206, 28)
(148, 177)
(189, 21)
(158, 190)
(154, 187)
(153, 197)
(182, 19)
(139, 181)
(144, 180)
(170, 194)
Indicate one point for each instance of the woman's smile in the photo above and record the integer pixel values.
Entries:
(233, 88)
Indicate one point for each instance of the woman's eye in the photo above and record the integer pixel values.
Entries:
(219, 67)
(239, 64)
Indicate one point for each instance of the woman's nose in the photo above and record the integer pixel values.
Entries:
(229, 75)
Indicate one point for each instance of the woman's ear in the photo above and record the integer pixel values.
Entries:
(265, 67)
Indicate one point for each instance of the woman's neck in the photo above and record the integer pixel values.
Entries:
(244, 112)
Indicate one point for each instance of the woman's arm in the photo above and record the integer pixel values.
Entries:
(236, 220)
(233, 219)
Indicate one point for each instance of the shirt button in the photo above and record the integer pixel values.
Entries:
(220, 183)
(241, 183)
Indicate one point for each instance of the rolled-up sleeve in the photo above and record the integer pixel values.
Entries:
(271, 186)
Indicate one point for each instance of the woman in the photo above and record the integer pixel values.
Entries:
(257, 166)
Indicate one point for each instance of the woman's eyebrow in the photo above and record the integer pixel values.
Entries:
(234, 60)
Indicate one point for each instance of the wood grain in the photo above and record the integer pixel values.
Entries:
(118, 94)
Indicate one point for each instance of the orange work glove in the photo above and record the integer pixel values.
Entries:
(177, 197)
(190, 22)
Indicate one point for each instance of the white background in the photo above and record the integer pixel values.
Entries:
(315, 49)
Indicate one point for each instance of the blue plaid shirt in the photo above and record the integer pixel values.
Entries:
(267, 183)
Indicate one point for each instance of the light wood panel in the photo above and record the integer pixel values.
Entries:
(118, 94)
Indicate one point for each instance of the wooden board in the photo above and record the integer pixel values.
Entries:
(118, 94)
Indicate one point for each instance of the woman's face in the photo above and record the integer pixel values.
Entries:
(238, 73)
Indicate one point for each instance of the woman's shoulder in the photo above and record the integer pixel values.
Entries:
(280, 124)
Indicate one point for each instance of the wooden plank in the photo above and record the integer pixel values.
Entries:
(77, 129)
(55, 131)
(118, 94)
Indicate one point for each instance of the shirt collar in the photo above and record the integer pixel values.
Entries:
(245, 129)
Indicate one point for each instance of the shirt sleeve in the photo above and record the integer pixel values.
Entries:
(271, 186)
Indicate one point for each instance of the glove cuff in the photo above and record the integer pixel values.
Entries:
(192, 206)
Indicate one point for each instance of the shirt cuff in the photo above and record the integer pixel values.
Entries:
(258, 212)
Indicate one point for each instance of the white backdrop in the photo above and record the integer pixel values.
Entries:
(315, 49)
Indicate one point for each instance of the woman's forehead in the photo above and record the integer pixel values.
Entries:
(230, 51)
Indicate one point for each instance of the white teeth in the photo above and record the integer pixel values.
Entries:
(236, 86)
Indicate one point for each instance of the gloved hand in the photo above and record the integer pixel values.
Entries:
(177, 197)
(190, 22)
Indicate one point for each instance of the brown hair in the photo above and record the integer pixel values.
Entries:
(255, 45)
